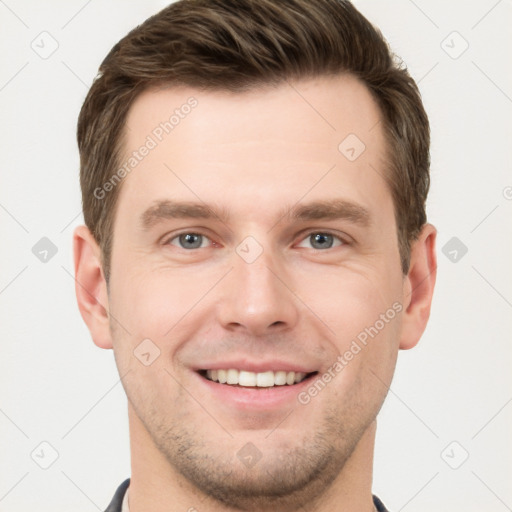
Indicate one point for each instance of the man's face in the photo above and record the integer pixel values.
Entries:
(256, 288)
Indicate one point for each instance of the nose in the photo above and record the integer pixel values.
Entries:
(258, 296)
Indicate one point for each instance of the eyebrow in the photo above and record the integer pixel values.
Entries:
(333, 209)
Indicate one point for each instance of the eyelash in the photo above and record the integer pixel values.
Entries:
(304, 237)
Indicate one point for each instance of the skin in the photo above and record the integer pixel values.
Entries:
(255, 153)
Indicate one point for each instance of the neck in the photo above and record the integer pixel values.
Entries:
(155, 484)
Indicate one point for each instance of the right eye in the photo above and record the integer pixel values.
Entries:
(188, 240)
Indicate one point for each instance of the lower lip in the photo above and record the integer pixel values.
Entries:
(251, 398)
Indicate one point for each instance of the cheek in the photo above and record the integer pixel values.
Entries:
(348, 300)
(148, 309)
(363, 370)
(150, 303)
(362, 310)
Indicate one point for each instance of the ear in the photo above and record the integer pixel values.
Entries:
(91, 286)
(418, 287)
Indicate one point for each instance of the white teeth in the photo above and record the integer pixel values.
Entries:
(246, 378)
(280, 378)
(250, 379)
(232, 376)
(299, 376)
(265, 380)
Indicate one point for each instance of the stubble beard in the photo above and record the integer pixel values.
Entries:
(283, 479)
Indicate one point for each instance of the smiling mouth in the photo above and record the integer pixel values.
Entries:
(268, 379)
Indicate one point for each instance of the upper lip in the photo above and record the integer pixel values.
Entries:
(256, 366)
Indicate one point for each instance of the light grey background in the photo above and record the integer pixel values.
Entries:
(451, 396)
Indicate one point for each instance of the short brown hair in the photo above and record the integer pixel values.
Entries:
(237, 45)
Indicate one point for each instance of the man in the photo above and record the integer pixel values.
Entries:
(256, 251)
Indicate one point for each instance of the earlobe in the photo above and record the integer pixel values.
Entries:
(418, 287)
(91, 287)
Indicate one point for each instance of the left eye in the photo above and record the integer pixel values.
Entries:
(321, 240)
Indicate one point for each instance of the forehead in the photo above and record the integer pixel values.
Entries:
(315, 137)
(329, 106)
